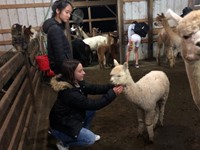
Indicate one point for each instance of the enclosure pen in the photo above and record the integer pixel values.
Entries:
(26, 96)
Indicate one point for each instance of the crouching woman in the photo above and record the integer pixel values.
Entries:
(73, 111)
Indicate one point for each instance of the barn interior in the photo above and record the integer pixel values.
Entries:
(27, 97)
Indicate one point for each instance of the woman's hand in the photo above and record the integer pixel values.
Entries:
(118, 89)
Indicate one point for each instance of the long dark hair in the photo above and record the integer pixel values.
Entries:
(60, 5)
(67, 70)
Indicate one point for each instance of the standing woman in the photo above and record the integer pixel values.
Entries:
(57, 43)
(134, 41)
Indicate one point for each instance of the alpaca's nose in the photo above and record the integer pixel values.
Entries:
(198, 43)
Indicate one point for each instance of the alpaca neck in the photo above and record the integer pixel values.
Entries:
(83, 33)
(193, 73)
(171, 34)
(130, 89)
(166, 26)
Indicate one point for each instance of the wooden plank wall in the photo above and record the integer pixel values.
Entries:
(19, 83)
(23, 12)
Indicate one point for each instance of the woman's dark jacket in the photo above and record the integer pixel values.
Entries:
(68, 113)
(57, 44)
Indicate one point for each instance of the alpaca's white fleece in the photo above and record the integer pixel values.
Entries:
(146, 92)
(95, 42)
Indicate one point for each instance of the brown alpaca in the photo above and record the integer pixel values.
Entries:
(188, 28)
(103, 52)
(108, 52)
(169, 39)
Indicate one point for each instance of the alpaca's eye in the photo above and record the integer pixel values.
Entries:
(118, 76)
(187, 36)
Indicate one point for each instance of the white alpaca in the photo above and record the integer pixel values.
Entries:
(96, 41)
(149, 94)
(188, 28)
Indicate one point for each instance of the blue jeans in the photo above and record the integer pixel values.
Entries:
(85, 137)
(88, 119)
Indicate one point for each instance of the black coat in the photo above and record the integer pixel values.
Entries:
(57, 43)
(68, 113)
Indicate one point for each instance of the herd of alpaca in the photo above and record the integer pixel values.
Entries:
(149, 94)
(169, 40)
(104, 45)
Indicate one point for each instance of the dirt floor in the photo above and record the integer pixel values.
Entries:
(117, 123)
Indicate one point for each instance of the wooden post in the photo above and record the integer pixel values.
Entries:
(150, 23)
(191, 3)
(121, 30)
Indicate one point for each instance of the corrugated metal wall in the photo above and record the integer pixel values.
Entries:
(137, 10)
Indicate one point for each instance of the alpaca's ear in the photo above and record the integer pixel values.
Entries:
(115, 62)
(125, 65)
(170, 14)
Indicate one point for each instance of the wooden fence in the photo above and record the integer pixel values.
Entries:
(19, 83)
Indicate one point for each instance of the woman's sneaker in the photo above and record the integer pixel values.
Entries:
(60, 146)
(97, 137)
(137, 66)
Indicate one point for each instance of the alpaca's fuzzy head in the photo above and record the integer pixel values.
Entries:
(120, 74)
(189, 30)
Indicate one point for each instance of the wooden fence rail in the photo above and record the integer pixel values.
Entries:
(20, 82)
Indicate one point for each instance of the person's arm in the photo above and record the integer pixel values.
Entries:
(83, 102)
(93, 89)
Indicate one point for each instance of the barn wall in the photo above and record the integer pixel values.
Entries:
(34, 12)
(32, 15)
(137, 10)
(25, 16)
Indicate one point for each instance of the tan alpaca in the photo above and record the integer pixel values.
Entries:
(95, 31)
(189, 30)
(169, 39)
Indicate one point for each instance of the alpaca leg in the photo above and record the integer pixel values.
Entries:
(104, 60)
(149, 120)
(162, 110)
(156, 116)
(140, 117)
(158, 52)
(100, 58)
(170, 57)
(108, 59)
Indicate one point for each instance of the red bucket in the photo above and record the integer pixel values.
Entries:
(43, 62)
